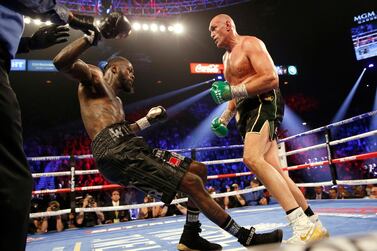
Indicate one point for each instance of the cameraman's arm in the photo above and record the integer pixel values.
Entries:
(80, 216)
(100, 215)
(44, 225)
(240, 199)
(59, 223)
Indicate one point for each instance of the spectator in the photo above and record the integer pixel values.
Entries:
(343, 193)
(53, 223)
(256, 197)
(235, 200)
(333, 193)
(319, 194)
(89, 219)
(149, 212)
(373, 193)
(116, 216)
(358, 191)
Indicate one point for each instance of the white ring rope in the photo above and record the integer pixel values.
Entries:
(209, 162)
(181, 200)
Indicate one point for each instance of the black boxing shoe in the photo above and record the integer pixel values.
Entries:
(248, 237)
(192, 241)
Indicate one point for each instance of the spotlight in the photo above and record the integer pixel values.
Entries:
(219, 77)
(371, 65)
(178, 28)
(154, 27)
(145, 27)
(170, 28)
(97, 22)
(162, 28)
(136, 26)
(37, 21)
(48, 22)
(27, 20)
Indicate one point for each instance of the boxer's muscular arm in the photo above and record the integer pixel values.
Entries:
(67, 61)
(265, 77)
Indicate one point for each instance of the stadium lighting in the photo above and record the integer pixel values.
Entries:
(145, 27)
(154, 27)
(27, 20)
(37, 21)
(178, 28)
(162, 28)
(136, 26)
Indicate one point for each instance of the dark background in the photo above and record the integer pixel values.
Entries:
(313, 35)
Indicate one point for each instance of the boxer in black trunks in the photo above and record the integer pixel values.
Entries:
(124, 158)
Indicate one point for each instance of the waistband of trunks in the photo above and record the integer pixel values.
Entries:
(112, 136)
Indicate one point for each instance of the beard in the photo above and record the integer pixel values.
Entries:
(127, 85)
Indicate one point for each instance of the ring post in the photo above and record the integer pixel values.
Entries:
(334, 174)
(193, 154)
(72, 164)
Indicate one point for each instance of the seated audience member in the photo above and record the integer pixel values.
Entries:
(333, 193)
(256, 197)
(149, 212)
(343, 193)
(368, 189)
(89, 219)
(358, 192)
(319, 194)
(53, 223)
(117, 215)
(235, 200)
(373, 192)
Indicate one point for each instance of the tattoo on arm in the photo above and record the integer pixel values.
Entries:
(68, 62)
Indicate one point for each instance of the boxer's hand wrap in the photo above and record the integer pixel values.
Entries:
(239, 91)
(90, 38)
(115, 25)
(219, 125)
(155, 115)
(227, 116)
(221, 91)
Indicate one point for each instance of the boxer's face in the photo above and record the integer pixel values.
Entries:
(218, 30)
(126, 76)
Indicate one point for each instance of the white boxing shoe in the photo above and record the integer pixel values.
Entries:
(315, 219)
(304, 231)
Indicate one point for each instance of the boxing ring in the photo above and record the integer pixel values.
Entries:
(349, 221)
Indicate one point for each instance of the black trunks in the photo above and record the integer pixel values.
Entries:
(253, 112)
(126, 159)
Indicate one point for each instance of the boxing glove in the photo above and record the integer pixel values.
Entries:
(155, 115)
(115, 25)
(221, 92)
(220, 129)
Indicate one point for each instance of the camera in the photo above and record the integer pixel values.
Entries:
(54, 205)
(91, 201)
